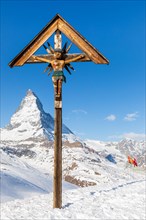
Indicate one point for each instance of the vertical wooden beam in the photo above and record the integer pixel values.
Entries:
(57, 186)
(57, 192)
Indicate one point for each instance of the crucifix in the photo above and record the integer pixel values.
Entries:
(58, 59)
(57, 62)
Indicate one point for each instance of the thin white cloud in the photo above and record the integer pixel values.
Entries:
(130, 135)
(131, 116)
(110, 118)
(135, 136)
(114, 137)
(77, 111)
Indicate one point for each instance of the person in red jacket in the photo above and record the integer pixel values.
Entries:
(135, 162)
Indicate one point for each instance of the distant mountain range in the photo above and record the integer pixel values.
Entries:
(30, 134)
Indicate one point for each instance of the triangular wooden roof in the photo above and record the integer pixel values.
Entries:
(58, 23)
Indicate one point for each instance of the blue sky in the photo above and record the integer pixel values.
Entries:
(105, 102)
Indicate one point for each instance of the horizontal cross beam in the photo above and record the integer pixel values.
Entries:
(32, 60)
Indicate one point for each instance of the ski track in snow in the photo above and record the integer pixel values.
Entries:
(124, 201)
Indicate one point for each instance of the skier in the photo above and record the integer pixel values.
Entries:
(130, 160)
(135, 162)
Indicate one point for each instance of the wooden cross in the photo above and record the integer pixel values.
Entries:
(57, 59)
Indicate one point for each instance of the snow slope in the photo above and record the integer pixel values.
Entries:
(20, 180)
(27, 191)
(124, 201)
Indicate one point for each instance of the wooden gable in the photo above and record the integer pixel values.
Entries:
(92, 54)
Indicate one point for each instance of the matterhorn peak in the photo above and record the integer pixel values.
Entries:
(31, 101)
(30, 111)
(30, 121)
(29, 92)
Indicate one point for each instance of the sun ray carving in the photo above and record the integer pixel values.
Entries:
(58, 59)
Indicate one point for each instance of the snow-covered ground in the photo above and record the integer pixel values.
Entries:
(26, 193)
(124, 201)
(19, 180)
(114, 190)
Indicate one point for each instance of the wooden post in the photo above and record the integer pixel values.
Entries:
(57, 192)
(57, 188)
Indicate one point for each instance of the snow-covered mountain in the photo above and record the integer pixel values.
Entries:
(119, 151)
(133, 148)
(30, 135)
(27, 161)
(30, 125)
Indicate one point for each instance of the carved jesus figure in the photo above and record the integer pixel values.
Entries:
(58, 63)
